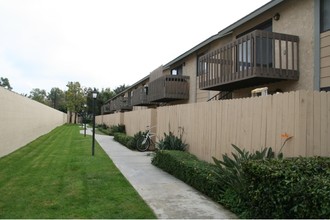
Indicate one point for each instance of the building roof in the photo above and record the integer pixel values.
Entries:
(226, 31)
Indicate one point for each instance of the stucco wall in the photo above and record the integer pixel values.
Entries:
(22, 120)
(190, 69)
(296, 18)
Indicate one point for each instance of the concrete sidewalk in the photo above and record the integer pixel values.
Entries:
(166, 195)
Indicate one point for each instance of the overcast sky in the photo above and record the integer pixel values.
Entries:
(103, 43)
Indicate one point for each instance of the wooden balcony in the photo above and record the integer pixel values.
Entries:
(168, 88)
(120, 104)
(140, 97)
(254, 59)
(106, 109)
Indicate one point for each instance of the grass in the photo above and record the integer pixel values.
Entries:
(55, 176)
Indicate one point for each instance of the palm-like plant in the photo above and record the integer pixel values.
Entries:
(230, 171)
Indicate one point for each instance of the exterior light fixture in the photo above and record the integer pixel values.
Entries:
(94, 94)
(277, 16)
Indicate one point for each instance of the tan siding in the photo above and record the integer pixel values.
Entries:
(325, 39)
(325, 51)
(325, 82)
(325, 59)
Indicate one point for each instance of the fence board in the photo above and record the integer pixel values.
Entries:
(317, 124)
(263, 127)
(309, 124)
(256, 123)
(324, 126)
(279, 120)
(327, 151)
(291, 125)
(269, 122)
(303, 133)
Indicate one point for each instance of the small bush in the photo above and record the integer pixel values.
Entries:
(186, 167)
(103, 128)
(120, 128)
(132, 144)
(230, 172)
(232, 177)
(171, 142)
(128, 141)
(123, 139)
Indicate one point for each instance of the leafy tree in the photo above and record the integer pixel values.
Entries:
(56, 99)
(38, 95)
(103, 97)
(121, 88)
(75, 99)
(4, 82)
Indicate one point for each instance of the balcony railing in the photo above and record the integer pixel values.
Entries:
(106, 108)
(168, 88)
(254, 59)
(140, 98)
(120, 104)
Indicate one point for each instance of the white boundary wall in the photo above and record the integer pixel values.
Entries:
(22, 120)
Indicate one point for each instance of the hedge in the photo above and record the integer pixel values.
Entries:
(189, 169)
(289, 188)
(274, 188)
(124, 139)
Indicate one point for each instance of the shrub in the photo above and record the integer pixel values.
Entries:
(186, 167)
(128, 141)
(230, 170)
(256, 185)
(289, 188)
(120, 128)
(123, 139)
(104, 128)
(232, 177)
(133, 141)
(171, 142)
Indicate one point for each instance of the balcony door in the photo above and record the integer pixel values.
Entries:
(263, 48)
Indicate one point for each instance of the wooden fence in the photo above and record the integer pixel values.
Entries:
(112, 119)
(251, 123)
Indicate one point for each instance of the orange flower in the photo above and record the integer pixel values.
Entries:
(285, 135)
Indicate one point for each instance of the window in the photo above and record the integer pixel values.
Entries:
(177, 71)
(201, 65)
(325, 15)
(244, 55)
(263, 48)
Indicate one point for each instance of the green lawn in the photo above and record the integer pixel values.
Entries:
(55, 176)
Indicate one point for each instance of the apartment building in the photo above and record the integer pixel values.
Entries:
(282, 46)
